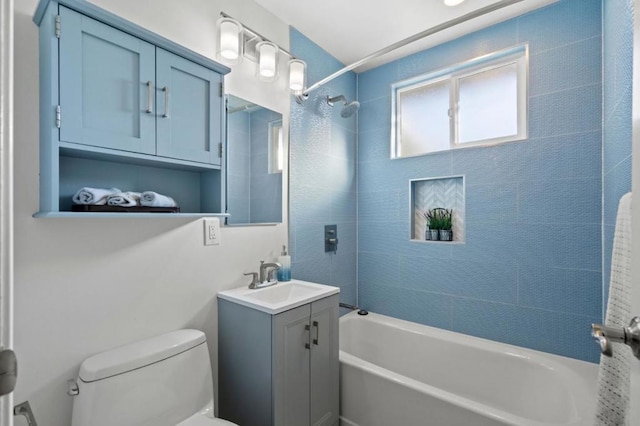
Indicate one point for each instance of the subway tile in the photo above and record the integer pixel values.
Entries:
(394, 237)
(344, 143)
(561, 157)
(377, 269)
(487, 242)
(379, 206)
(581, 66)
(555, 332)
(617, 182)
(310, 242)
(410, 305)
(316, 270)
(494, 281)
(569, 111)
(310, 203)
(343, 275)
(376, 83)
(374, 145)
(344, 206)
(617, 135)
(494, 38)
(571, 291)
(573, 246)
(608, 237)
(489, 164)
(560, 23)
(492, 203)
(374, 114)
(560, 202)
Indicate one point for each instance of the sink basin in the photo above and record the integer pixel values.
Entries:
(280, 297)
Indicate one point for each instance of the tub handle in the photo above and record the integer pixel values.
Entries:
(307, 328)
(606, 335)
(317, 326)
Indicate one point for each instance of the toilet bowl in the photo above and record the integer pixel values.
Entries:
(162, 381)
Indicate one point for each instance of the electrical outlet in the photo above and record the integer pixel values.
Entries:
(211, 231)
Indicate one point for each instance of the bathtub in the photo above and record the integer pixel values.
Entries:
(394, 372)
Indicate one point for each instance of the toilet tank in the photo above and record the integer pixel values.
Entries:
(154, 382)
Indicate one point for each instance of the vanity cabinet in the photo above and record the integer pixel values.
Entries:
(282, 369)
(123, 107)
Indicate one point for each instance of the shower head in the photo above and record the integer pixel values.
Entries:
(348, 109)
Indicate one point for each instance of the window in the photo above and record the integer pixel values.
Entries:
(480, 102)
(276, 147)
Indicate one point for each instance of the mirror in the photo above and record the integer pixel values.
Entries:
(256, 153)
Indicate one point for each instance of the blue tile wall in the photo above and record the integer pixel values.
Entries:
(323, 175)
(617, 36)
(530, 270)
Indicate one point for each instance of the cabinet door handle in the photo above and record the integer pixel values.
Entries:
(317, 326)
(149, 109)
(165, 89)
(307, 328)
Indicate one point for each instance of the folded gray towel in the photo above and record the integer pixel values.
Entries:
(124, 199)
(93, 196)
(153, 199)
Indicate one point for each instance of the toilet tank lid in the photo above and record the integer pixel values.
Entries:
(139, 354)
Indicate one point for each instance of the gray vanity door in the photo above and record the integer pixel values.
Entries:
(325, 368)
(291, 367)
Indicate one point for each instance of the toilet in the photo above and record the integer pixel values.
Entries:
(161, 381)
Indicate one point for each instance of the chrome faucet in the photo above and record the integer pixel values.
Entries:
(267, 276)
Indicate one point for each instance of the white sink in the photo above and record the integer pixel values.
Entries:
(280, 297)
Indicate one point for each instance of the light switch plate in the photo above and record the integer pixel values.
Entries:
(211, 231)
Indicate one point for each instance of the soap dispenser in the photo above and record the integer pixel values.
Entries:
(284, 273)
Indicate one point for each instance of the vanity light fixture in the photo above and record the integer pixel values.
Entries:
(452, 2)
(236, 41)
(230, 40)
(268, 53)
(297, 76)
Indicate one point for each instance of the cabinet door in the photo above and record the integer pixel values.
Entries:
(189, 110)
(325, 367)
(291, 348)
(105, 81)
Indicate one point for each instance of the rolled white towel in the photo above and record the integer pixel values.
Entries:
(93, 196)
(153, 199)
(124, 199)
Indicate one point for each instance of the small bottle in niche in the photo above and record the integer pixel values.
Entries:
(284, 273)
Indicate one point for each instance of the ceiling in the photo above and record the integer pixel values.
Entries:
(353, 29)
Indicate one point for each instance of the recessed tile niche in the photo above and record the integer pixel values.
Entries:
(442, 192)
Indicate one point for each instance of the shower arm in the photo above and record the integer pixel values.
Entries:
(433, 30)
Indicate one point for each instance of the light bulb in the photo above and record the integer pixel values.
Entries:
(267, 60)
(230, 34)
(297, 75)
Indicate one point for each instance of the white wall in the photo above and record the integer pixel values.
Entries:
(86, 285)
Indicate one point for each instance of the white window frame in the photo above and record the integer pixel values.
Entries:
(518, 55)
(276, 147)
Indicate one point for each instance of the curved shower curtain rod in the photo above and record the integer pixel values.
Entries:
(433, 30)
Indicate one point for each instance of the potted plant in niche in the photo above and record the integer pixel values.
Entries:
(433, 224)
(444, 220)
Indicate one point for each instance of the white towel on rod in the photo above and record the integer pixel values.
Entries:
(124, 199)
(153, 199)
(93, 196)
(613, 375)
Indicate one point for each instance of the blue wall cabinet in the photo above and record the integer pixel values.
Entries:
(123, 107)
(189, 109)
(106, 86)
